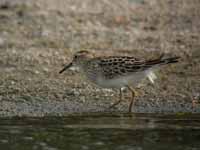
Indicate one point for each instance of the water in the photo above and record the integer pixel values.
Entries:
(102, 132)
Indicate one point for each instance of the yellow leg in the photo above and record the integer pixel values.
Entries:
(132, 99)
(120, 99)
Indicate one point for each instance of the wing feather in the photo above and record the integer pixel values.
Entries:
(120, 65)
(115, 66)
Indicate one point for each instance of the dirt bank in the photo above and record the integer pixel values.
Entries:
(38, 37)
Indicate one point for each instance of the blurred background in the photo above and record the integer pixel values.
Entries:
(37, 37)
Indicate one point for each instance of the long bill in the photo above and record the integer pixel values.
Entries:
(65, 68)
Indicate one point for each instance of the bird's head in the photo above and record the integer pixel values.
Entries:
(78, 60)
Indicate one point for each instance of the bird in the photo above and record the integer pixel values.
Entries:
(117, 72)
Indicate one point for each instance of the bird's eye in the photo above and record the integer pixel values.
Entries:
(75, 56)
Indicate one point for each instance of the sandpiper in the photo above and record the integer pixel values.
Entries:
(117, 71)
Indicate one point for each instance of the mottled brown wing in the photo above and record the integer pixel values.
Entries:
(121, 65)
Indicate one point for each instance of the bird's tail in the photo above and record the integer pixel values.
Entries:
(162, 61)
(159, 61)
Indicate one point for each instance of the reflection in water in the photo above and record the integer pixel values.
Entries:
(101, 131)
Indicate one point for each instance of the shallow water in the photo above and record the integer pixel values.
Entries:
(102, 131)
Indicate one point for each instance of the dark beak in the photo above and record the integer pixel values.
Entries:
(65, 68)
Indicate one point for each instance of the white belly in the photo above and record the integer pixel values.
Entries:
(131, 80)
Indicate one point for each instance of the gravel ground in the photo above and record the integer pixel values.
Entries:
(38, 37)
